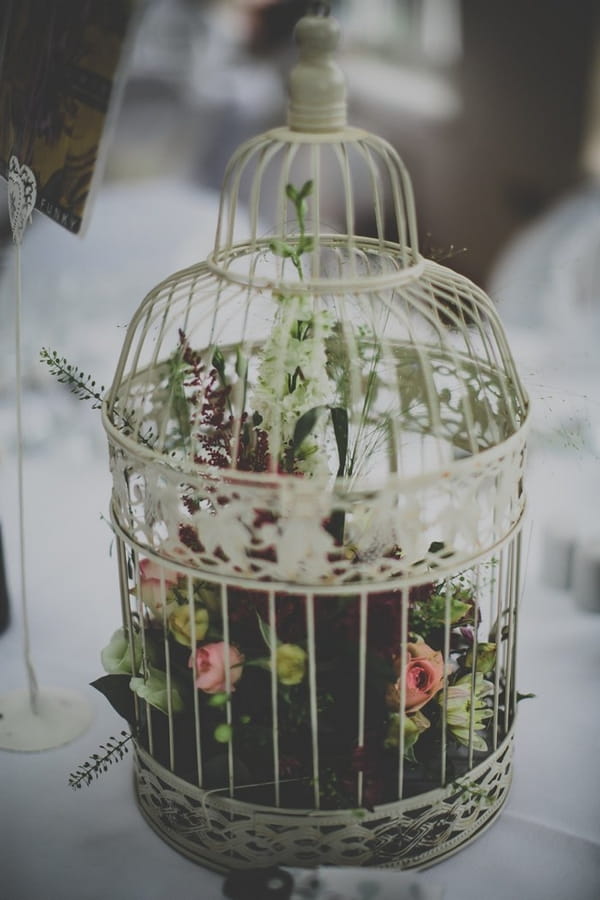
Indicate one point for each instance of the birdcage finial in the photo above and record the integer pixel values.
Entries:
(317, 88)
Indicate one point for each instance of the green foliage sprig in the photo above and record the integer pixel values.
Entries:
(304, 243)
(113, 751)
(85, 387)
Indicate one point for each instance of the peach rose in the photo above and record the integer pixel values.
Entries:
(152, 576)
(424, 677)
(209, 667)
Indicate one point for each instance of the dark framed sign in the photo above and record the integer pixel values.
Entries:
(61, 63)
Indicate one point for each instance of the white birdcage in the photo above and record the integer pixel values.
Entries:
(317, 446)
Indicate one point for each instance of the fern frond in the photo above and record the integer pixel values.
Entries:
(80, 384)
(113, 751)
(86, 388)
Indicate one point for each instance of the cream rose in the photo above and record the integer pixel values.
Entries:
(291, 664)
(180, 624)
(156, 582)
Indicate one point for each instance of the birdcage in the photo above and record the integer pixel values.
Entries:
(317, 447)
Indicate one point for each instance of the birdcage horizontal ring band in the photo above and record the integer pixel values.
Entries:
(335, 589)
(285, 135)
(219, 264)
(393, 481)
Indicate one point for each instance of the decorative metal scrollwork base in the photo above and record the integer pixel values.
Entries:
(224, 834)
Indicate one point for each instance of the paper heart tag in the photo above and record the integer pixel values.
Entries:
(22, 191)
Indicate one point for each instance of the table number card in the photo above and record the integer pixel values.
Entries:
(60, 68)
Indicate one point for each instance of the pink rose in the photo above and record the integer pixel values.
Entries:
(424, 677)
(209, 665)
(152, 576)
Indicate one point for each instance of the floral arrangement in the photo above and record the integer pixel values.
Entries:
(245, 666)
(409, 694)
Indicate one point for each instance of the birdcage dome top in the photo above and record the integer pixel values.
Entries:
(316, 366)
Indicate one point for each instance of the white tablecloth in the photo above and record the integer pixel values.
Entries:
(59, 844)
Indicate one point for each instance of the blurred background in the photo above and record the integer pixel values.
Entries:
(490, 104)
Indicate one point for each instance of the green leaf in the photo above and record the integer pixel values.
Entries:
(268, 635)
(159, 691)
(291, 192)
(306, 245)
(218, 362)
(241, 364)
(280, 248)
(306, 189)
(305, 425)
(263, 663)
(339, 417)
(116, 690)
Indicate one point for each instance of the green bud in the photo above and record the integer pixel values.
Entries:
(219, 699)
(223, 733)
